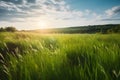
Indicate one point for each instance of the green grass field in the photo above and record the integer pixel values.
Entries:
(34, 56)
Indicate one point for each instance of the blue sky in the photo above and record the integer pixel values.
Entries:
(93, 4)
(38, 14)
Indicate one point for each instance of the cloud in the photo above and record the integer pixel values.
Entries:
(56, 9)
(110, 19)
(56, 12)
(30, 8)
(111, 15)
(14, 1)
(113, 11)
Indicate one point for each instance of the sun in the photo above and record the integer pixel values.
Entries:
(43, 24)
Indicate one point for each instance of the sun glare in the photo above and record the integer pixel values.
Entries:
(43, 25)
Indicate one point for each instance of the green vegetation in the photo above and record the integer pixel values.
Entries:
(8, 29)
(104, 29)
(34, 56)
(109, 28)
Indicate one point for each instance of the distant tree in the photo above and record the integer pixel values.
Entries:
(2, 29)
(10, 29)
(109, 31)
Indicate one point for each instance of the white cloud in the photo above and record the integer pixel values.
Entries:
(113, 11)
(56, 9)
(55, 12)
(9, 6)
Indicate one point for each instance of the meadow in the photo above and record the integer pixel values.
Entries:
(35, 56)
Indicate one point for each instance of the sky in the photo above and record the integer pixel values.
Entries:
(39, 14)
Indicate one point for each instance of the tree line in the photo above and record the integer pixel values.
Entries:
(8, 29)
(104, 29)
(109, 28)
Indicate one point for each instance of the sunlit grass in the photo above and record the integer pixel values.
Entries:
(34, 56)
